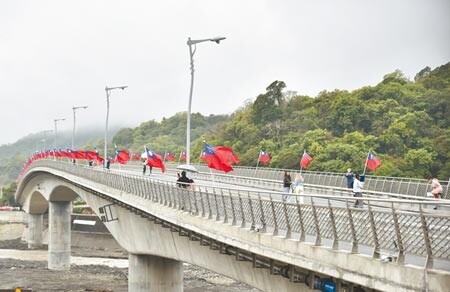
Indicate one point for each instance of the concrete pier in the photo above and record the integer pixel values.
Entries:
(153, 273)
(59, 235)
(35, 228)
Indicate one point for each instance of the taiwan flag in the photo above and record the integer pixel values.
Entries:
(183, 155)
(305, 160)
(263, 157)
(122, 156)
(169, 156)
(372, 162)
(154, 160)
(134, 156)
(219, 158)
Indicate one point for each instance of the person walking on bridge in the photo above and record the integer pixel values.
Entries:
(144, 166)
(287, 184)
(349, 176)
(357, 191)
(436, 188)
(298, 187)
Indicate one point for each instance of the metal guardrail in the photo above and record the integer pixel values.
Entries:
(424, 233)
(399, 185)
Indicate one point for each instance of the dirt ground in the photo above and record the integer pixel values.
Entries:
(36, 276)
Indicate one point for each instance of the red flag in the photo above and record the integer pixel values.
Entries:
(135, 156)
(154, 160)
(263, 157)
(122, 156)
(372, 162)
(219, 158)
(305, 160)
(78, 154)
(226, 154)
(182, 155)
(169, 156)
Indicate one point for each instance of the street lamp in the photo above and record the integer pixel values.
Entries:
(188, 126)
(56, 131)
(74, 120)
(108, 92)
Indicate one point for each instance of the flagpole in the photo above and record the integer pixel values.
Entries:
(301, 158)
(365, 164)
(257, 163)
(200, 158)
(165, 152)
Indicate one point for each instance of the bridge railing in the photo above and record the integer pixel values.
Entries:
(400, 185)
(323, 220)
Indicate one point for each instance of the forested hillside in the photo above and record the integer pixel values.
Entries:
(405, 123)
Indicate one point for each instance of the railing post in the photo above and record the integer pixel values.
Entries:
(202, 203)
(376, 250)
(300, 218)
(399, 243)
(253, 224)
(275, 223)
(225, 213)
(316, 223)
(352, 228)
(288, 225)
(169, 194)
(195, 202)
(426, 238)
(241, 205)
(209, 204)
(233, 213)
(263, 218)
(217, 205)
(333, 225)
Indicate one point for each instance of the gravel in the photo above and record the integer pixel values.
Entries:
(36, 276)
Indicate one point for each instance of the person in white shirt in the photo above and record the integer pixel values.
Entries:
(357, 191)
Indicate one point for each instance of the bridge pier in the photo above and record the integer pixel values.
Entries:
(154, 273)
(59, 235)
(35, 227)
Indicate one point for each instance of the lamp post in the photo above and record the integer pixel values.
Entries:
(74, 120)
(188, 123)
(108, 92)
(56, 131)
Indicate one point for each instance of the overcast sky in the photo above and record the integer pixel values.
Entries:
(58, 54)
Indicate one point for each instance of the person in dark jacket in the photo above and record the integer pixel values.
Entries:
(349, 176)
(183, 181)
(287, 183)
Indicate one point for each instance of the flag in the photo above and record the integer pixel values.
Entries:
(182, 155)
(76, 154)
(263, 157)
(122, 156)
(219, 158)
(134, 156)
(169, 156)
(305, 160)
(154, 160)
(372, 162)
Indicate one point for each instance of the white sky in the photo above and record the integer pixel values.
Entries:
(58, 54)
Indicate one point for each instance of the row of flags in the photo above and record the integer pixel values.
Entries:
(216, 157)
(372, 162)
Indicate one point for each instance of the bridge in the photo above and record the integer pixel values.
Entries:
(238, 226)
